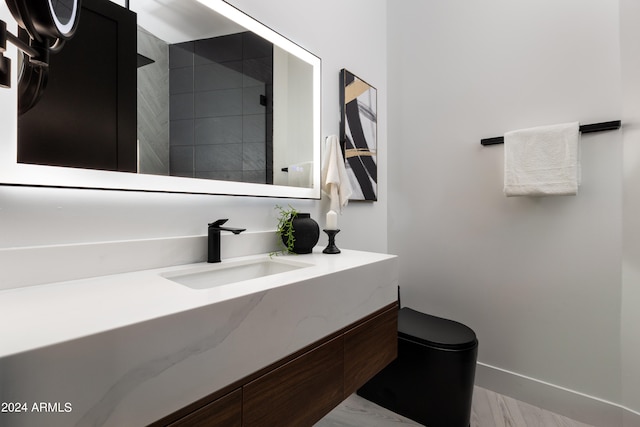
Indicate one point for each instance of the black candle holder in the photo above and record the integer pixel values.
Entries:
(331, 247)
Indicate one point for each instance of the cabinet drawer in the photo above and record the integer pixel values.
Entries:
(223, 412)
(368, 348)
(299, 392)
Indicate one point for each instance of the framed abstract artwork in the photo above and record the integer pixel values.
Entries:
(358, 135)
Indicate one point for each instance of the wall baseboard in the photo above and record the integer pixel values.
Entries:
(570, 403)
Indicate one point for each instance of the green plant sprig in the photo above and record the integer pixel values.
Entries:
(285, 227)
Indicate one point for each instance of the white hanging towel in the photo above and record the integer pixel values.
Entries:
(335, 182)
(542, 161)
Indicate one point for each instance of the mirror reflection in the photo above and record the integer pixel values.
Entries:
(170, 87)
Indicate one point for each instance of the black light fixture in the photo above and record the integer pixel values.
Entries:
(44, 27)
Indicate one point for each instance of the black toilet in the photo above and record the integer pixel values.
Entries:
(431, 381)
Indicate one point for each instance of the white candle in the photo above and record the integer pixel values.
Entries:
(332, 220)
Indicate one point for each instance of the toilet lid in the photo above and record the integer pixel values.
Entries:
(434, 331)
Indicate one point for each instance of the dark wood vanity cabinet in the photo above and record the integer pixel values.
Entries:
(298, 393)
(302, 388)
(225, 411)
(368, 348)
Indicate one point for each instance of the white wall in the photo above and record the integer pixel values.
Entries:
(630, 319)
(292, 117)
(538, 279)
(47, 216)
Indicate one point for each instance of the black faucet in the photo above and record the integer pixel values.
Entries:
(214, 238)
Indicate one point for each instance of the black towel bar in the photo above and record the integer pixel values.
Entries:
(594, 127)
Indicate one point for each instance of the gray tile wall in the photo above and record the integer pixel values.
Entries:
(153, 109)
(218, 127)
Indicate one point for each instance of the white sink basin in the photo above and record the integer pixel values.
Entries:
(210, 276)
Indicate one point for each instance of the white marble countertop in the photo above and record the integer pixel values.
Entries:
(43, 315)
(131, 348)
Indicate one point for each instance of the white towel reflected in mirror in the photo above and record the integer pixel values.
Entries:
(300, 175)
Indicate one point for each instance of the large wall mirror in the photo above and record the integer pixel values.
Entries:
(172, 95)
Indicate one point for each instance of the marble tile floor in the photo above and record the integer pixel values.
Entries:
(489, 409)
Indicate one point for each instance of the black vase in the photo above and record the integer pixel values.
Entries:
(306, 233)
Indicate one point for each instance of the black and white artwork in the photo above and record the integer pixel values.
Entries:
(358, 133)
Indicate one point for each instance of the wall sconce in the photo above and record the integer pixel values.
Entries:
(44, 27)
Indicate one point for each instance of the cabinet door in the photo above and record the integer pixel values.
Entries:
(298, 393)
(86, 117)
(223, 412)
(368, 348)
